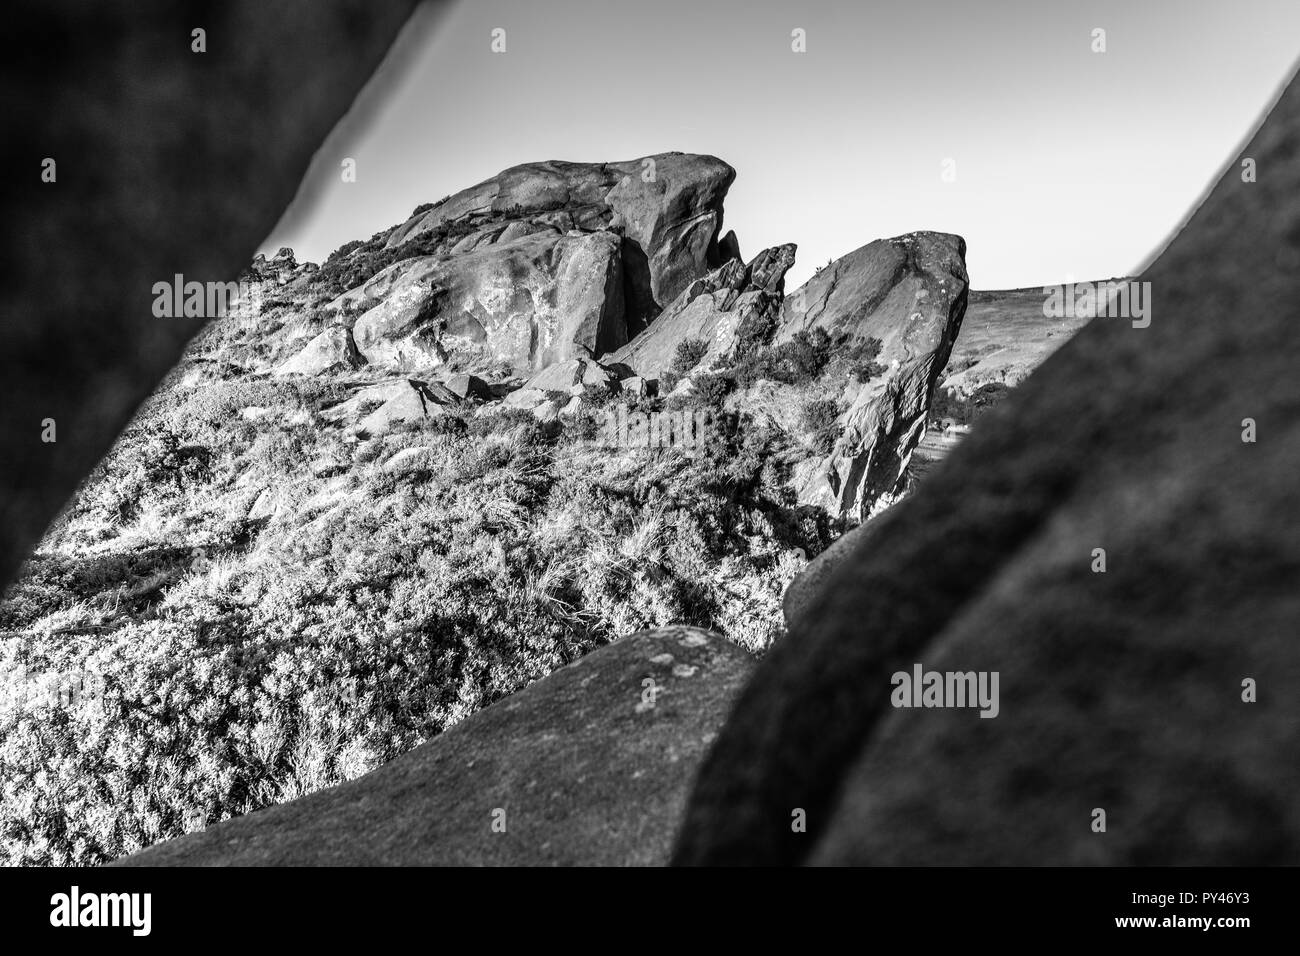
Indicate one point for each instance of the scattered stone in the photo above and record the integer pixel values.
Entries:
(333, 350)
(525, 398)
(415, 400)
(466, 387)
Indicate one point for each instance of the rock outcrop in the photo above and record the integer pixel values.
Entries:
(712, 309)
(909, 293)
(1116, 541)
(667, 208)
(332, 351)
(543, 263)
(591, 765)
(408, 401)
(542, 298)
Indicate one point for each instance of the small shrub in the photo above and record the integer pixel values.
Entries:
(964, 410)
(711, 389)
(342, 251)
(797, 362)
(215, 405)
(860, 359)
(688, 354)
(755, 332)
(864, 372)
(818, 418)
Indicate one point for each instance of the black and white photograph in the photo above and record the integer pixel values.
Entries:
(520, 434)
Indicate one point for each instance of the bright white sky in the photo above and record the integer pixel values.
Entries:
(1069, 164)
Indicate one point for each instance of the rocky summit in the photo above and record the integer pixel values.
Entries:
(408, 483)
(668, 208)
(541, 263)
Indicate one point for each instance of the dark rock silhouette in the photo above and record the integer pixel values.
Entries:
(1120, 691)
(149, 151)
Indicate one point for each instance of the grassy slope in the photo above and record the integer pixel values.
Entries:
(359, 612)
(273, 611)
(1004, 337)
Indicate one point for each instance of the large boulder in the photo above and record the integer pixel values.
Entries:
(909, 293)
(1117, 542)
(565, 376)
(468, 387)
(540, 299)
(331, 351)
(670, 208)
(408, 401)
(559, 194)
(667, 208)
(591, 765)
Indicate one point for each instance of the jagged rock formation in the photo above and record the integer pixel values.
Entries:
(909, 293)
(165, 216)
(282, 269)
(1128, 691)
(542, 263)
(712, 308)
(590, 765)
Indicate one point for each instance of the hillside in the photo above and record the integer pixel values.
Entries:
(1005, 336)
(404, 485)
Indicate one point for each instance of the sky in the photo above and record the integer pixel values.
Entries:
(1062, 163)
